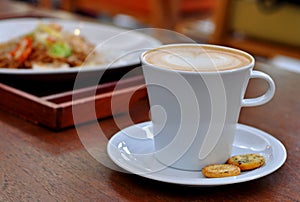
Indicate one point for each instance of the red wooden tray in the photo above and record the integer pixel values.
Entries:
(55, 111)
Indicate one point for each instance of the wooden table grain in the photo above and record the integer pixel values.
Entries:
(37, 164)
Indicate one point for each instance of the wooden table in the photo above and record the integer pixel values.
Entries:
(37, 164)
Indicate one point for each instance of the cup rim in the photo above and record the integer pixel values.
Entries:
(251, 64)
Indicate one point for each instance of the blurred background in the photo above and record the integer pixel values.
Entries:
(266, 28)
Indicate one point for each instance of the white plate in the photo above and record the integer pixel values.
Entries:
(120, 47)
(132, 149)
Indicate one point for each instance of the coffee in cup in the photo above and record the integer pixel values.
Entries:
(196, 58)
(195, 93)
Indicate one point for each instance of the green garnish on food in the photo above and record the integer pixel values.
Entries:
(60, 50)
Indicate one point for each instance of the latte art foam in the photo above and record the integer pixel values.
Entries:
(196, 58)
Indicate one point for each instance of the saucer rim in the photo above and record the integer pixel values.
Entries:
(202, 181)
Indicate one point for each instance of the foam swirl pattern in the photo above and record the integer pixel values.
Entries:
(196, 58)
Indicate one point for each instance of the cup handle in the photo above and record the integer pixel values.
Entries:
(250, 102)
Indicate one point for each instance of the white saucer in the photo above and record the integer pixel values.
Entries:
(132, 149)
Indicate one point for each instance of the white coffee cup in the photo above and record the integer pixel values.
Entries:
(196, 93)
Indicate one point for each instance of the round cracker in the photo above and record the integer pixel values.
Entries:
(220, 170)
(247, 161)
